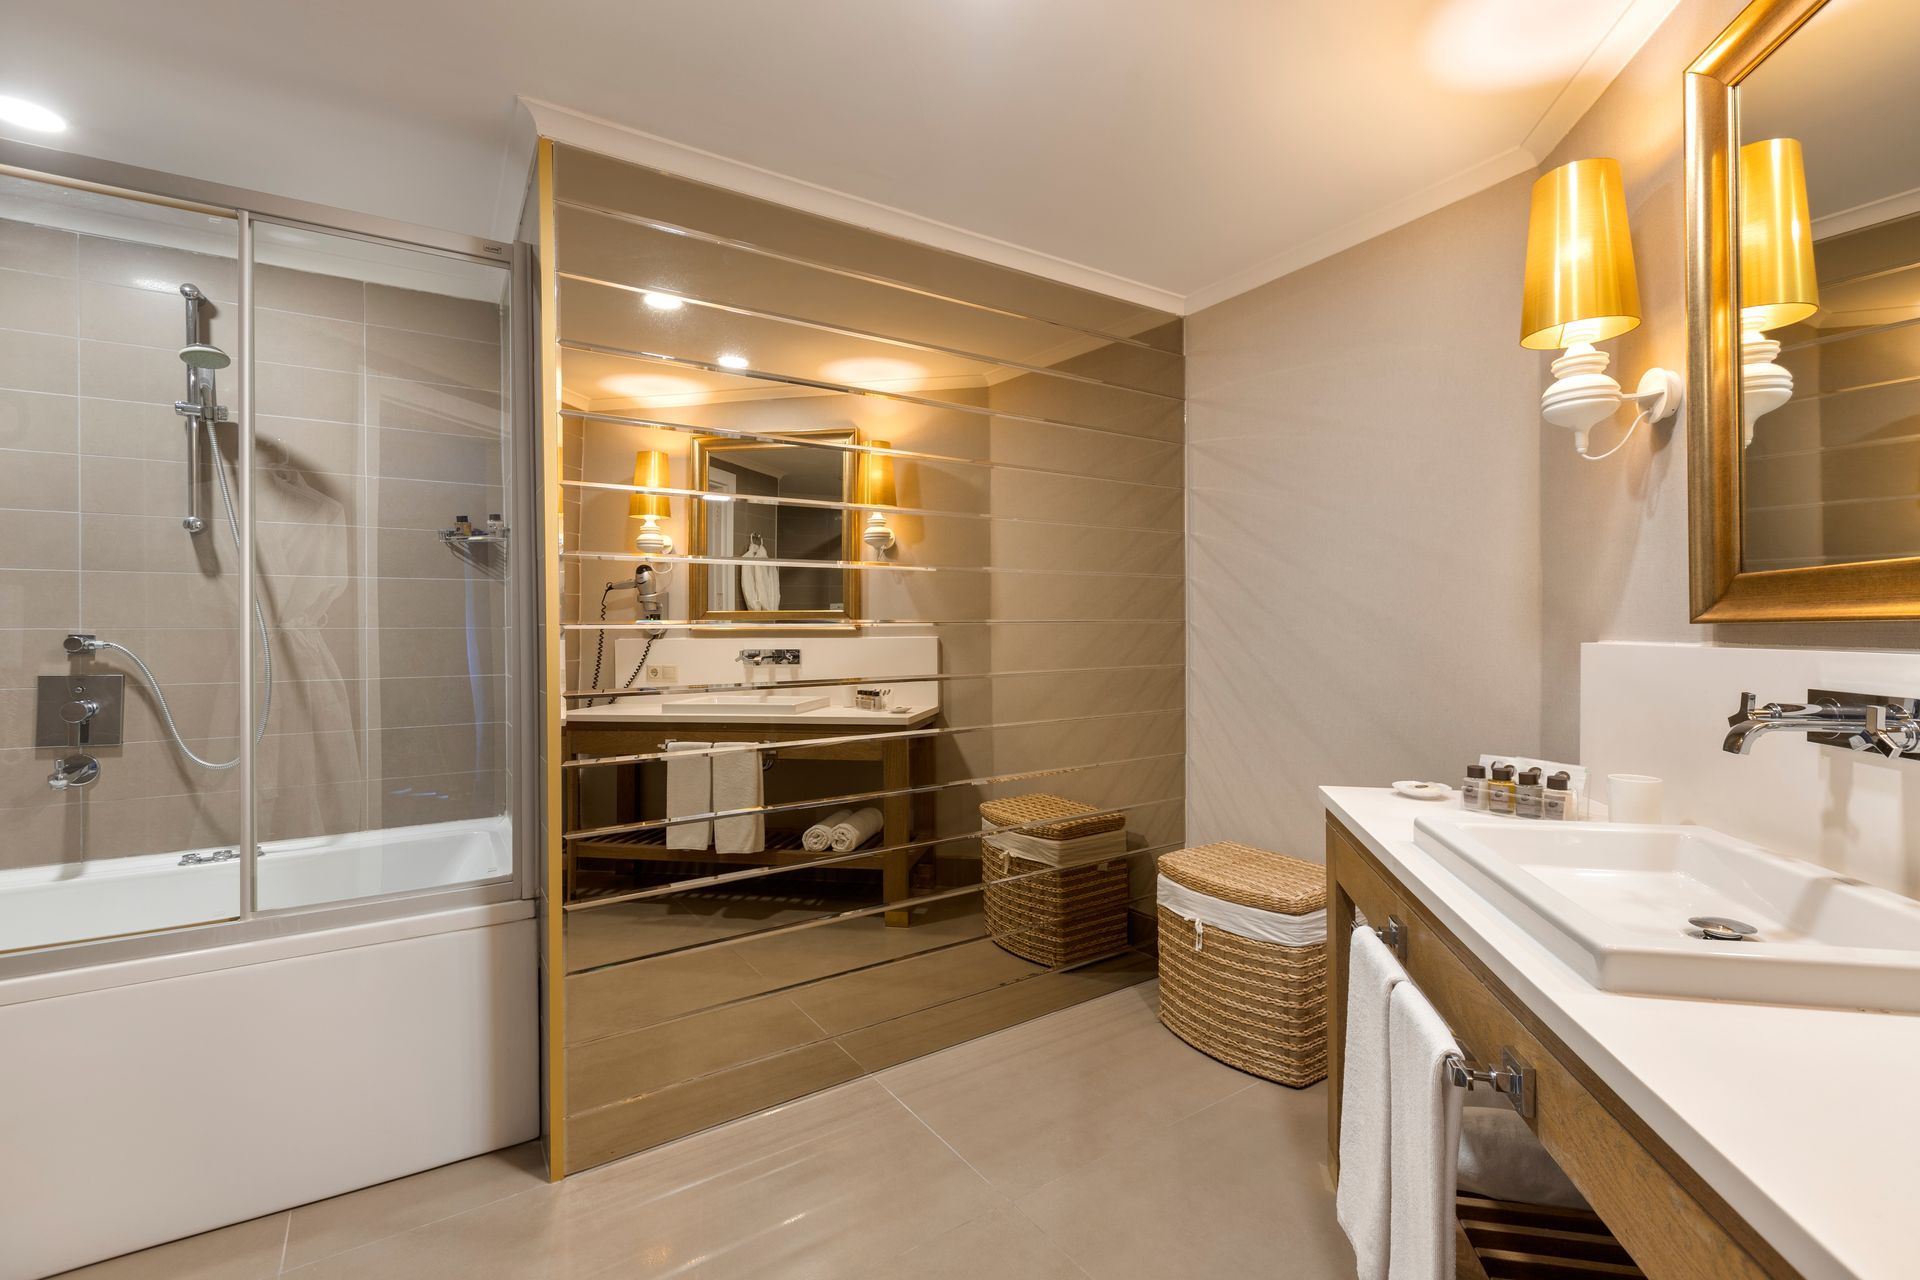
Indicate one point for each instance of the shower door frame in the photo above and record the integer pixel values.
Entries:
(247, 207)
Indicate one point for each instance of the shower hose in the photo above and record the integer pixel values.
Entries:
(259, 621)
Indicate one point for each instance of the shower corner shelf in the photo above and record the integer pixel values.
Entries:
(466, 535)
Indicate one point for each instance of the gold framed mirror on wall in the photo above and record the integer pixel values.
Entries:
(1803, 281)
(783, 530)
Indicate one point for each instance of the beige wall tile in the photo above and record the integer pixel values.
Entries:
(424, 312)
(38, 539)
(38, 362)
(315, 342)
(25, 247)
(432, 455)
(424, 357)
(33, 420)
(119, 371)
(288, 391)
(37, 303)
(308, 292)
(420, 406)
(39, 481)
(160, 270)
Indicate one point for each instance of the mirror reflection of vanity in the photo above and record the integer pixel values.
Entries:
(728, 525)
(1804, 297)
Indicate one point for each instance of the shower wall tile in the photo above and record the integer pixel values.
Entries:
(37, 303)
(433, 313)
(123, 371)
(436, 455)
(28, 595)
(150, 318)
(311, 446)
(157, 269)
(309, 293)
(39, 481)
(39, 362)
(315, 342)
(38, 539)
(125, 429)
(25, 247)
(425, 357)
(295, 391)
(34, 420)
(419, 406)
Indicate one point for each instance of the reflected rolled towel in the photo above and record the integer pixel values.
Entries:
(858, 827)
(819, 836)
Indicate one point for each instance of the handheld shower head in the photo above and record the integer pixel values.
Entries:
(204, 355)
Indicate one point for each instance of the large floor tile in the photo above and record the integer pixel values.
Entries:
(1037, 1101)
(870, 996)
(1238, 1189)
(362, 1217)
(1004, 1245)
(244, 1251)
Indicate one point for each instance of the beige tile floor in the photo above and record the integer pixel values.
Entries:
(1085, 1145)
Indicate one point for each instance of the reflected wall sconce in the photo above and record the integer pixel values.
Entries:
(1777, 282)
(1581, 289)
(650, 469)
(876, 489)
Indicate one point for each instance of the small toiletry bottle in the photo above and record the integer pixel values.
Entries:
(1473, 792)
(1500, 790)
(1526, 802)
(462, 527)
(1556, 802)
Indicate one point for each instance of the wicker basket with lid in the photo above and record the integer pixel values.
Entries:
(1055, 888)
(1243, 958)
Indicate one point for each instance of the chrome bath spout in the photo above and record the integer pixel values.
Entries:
(1887, 728)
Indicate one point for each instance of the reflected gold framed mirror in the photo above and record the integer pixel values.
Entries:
(1803, 281)
(801, 518)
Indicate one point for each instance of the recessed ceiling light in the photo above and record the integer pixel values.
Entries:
(732, 361)
(30, 115)
(663, 301)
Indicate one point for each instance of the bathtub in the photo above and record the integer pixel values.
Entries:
(44, 906)
(155, 1097)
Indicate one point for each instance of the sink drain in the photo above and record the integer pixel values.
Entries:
(1721, 929)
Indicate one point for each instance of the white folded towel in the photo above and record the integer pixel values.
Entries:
(857, 829)
(1424, 1110)
(1361, 1200)
(689, 791)
(819, 837)
(737, 785)
(1502, 1160)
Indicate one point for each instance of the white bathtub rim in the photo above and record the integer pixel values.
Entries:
(84, 977)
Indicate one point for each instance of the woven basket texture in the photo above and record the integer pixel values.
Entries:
(1054, 916)
(1076, 819)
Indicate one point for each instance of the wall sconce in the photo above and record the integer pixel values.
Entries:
(1581, 289)
(876, 489)
(1777, 282)
(650, 469)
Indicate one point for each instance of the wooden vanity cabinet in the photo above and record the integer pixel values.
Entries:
(1673, 1224)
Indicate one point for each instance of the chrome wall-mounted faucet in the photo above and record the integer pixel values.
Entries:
(770, 657)
(1862, 722)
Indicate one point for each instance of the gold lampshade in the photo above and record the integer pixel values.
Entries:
(876, 474)
(1580, 283)
(649, 468)
(1777, 283)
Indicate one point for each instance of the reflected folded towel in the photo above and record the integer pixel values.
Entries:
(689, 791)
(737, 785)
(859, 827)
(819, 836)
(1424, 1110)
(1502, 1160)
(1360, 1201)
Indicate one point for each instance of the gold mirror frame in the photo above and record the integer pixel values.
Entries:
(704, 447)
(1721, 591)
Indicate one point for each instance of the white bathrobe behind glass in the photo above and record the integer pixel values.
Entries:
(760, 584)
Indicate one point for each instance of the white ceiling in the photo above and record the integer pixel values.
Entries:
(1172, 153)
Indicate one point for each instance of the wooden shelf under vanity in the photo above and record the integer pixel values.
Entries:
(1674, 1226)
(901, 762)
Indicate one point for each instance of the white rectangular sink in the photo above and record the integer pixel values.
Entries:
(1615, 901)
(722, 706)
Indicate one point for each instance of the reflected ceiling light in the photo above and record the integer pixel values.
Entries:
(731, 361)
(651, 386)
(867, 371)
(663, 301)
(22, 114)
(1484, 45)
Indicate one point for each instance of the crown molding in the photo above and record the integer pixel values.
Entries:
(618, 140)
(1628, 35)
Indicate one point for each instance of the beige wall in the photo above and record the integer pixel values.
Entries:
(1393, 561)
(380, 419)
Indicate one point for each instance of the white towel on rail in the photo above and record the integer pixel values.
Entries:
(1425, 1118)
(737, 785)
(760, 584)
(689, 791)
(859, 827)
(1361, 1199)
(1502, 1160)
(819, 836)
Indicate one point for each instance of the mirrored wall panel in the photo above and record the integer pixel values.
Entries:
(871, 626)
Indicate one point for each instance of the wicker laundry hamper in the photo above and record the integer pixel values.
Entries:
(1243, 959)
(1055, 893)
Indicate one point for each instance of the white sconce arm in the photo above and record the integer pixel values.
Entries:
(1584, 395)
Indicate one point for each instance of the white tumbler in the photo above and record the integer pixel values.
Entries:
(1633, 797)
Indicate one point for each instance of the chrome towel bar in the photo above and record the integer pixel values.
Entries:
(1512, 1077)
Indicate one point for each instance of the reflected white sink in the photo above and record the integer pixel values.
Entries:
(1614, 901)
(742, 705)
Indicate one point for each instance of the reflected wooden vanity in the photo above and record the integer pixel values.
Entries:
(1674, 1224)
(901, 762)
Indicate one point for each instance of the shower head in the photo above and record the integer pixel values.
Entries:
(204, 355)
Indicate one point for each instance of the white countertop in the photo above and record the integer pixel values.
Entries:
(1806, 1121)
(647, 711)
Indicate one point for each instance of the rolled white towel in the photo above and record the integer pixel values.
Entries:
(856, 829)
(819, 836)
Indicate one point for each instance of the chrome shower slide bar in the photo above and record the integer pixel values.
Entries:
(898, 735)
(837, 388)
(696, 883)
(861, 797)
(748, 246)
(867, 335)
(841, 446)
